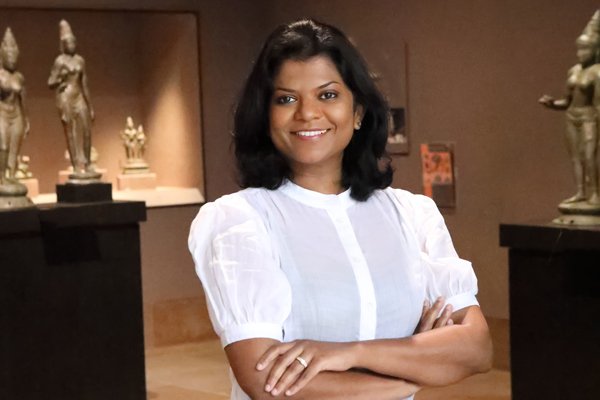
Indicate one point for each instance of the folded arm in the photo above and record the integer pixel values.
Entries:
(327, 385)
(434, 358)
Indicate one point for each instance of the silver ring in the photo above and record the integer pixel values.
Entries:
(302, 361)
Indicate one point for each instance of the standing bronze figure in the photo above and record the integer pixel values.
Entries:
(69, 78)
(582, 105)
(14, 124)
(135, 145)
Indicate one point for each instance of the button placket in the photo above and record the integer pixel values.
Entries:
(368, 315)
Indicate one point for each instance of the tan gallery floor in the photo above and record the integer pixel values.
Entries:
(200, 371)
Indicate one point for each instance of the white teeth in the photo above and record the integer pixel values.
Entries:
(311, 133)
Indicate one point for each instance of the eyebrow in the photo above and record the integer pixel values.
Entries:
(293, 91)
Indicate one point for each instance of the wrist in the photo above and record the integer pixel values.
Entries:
(355, 351)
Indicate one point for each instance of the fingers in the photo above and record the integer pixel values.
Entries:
(310, 372)
(426, 308)
(271, 354)
(444, 318)
(291, 375)
(286, 367)
(430, 315)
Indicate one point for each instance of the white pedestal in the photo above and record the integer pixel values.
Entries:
(33, 187)
(136, 181)
(63, 176)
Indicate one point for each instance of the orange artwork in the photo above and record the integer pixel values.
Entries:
(438, 177)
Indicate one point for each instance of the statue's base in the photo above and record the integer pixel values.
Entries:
(7, 202)
(32, 185)
(580, 213)
(136, 167)
(63, 176)
(137, 181)
(83, 192)
(579, 207)
(577, 220)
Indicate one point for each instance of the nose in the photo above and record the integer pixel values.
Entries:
(308, 110)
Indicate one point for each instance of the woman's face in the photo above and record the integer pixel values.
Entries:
(312, 114)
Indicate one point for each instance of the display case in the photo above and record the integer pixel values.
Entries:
(142, 64)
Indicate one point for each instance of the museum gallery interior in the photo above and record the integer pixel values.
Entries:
(116, 121)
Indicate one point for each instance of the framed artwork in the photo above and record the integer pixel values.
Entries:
(389, 66)
(438, 173)
(397, 143)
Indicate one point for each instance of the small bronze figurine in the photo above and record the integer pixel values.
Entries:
(135, 145)
(68, 78)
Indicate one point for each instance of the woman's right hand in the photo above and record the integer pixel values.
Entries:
(429, 316)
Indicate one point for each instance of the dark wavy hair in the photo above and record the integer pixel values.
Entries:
(365, 164)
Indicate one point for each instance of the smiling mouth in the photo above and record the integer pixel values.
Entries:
(310, 133)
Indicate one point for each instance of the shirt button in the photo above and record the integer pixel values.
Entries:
(340, 220)
(356, 259)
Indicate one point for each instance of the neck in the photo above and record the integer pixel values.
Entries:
(322, 179)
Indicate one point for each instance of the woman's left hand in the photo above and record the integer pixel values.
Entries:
(289, 375)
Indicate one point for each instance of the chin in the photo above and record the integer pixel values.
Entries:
(310, 159)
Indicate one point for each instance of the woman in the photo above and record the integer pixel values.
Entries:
(69, 79)
(317, 274)
(582, 103)
(14, 124)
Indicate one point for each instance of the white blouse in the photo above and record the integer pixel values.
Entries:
(296, 264)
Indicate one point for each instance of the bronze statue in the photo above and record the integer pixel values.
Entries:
(135, 144)
(23, 171)
(69, 78)
(14, 124)
(582, 105)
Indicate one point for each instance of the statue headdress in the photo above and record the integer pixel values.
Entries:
(591, 33)
(65, 30)
(9, 41)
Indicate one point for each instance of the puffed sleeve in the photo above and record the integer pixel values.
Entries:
(443, 272)
(247, 294)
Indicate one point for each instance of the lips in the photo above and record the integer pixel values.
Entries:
(310, 133)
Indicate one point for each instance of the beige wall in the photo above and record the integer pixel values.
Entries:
(170, 97)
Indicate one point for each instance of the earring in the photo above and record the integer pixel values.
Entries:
(358, 123)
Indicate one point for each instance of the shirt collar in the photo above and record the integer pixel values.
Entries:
(316, 199)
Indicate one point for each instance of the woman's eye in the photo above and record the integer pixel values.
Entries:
(284, 99)
(329, 95)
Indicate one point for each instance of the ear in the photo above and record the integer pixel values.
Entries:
(358, 116)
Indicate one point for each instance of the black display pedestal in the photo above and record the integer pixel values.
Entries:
(83, 193)
(71, 321)
(554, 276)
